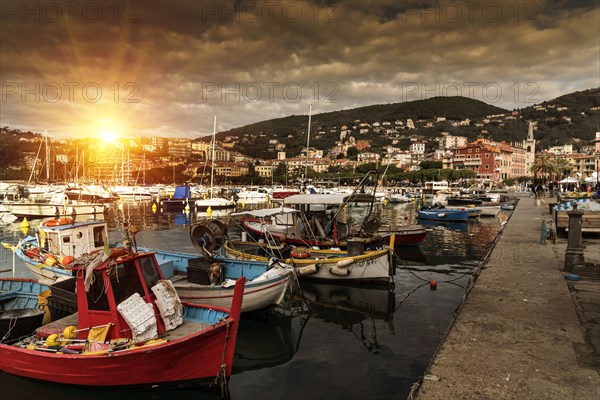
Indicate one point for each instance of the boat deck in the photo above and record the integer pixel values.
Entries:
(185, 329)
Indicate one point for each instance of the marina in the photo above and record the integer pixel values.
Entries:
(338, 322)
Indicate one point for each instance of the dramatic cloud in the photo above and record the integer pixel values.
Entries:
(166, 68)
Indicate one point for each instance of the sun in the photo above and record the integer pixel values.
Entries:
(109, 135)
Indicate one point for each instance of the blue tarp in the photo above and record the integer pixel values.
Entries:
(182, 192)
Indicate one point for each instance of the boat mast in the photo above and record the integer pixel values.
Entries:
(34, 165)
(47, 158)
(212, 169)
(307, 143)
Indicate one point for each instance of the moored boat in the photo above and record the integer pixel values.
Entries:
(20, 310)
(443, 214)
(354, 266)
(129, 326)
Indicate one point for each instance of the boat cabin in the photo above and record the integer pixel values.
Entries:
(61, 236)
(124, 293)
(435, 186)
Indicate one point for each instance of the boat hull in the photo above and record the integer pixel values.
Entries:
(256, 295)
(194, 359)
(443, 215)
(40, 210)
(375, 269)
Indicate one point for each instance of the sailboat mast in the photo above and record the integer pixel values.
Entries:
(47, 158)
(307, 142)
(212, 169)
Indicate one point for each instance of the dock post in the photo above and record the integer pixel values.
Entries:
(574, 254)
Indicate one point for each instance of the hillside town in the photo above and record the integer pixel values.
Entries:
(129, 160)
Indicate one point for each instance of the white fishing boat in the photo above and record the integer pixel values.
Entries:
(253, 196)
(489, 210)
(60, 205)
(355, 267)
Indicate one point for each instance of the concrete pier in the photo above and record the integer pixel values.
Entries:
(523, 332)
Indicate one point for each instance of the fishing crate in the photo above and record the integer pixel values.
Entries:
(198, 271)
(64, 291)
(60, 309)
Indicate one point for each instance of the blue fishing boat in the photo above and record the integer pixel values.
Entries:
(443, 214)
(20, 311)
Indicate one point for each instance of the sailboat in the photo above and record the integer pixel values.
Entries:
(213, 203)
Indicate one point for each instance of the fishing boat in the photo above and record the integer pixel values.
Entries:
(443, 214)
(316, 225)
(59, 205)
(131, 330)
(57, 242)
(464, 201)
(404, 235)
(20, 310)
(198, 278)
(398, 198)
(181, 199)
(489, 210)
(354, 266)
(208, 279)
(252, 196)
(474, 212)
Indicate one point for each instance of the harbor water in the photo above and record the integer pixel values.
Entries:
(327, 341)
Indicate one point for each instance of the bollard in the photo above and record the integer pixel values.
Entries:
(574, 254)
(543, 232)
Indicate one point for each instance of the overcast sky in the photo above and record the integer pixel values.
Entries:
(166, 68)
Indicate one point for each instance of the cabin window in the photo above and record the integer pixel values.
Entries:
(149, 271)
(66, 239)
(469, 150)
(96, 296)
(476, 150)
(126, 281)
(99, 236)
(79, 235)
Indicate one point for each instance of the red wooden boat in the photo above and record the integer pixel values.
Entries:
(131, 330)
(405, 235)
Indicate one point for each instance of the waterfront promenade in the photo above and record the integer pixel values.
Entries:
(518, 334)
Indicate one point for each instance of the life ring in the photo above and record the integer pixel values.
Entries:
(58, 222)
(299, 253)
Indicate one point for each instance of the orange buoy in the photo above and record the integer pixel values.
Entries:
(300, 252)
(66, 260)
(58, 222)
(433, 285)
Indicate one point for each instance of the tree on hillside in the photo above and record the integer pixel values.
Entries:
(352, 153)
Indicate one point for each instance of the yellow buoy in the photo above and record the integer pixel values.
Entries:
(209, 212)
(52, 340)
(50, 261)
(243, 203)
(187, 208)
(25, 224)
(70, 332)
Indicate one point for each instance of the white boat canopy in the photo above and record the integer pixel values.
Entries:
(266, 212)
(337, 199)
